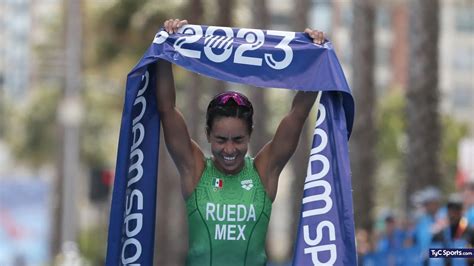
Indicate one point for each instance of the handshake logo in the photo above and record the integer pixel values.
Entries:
(247, 184)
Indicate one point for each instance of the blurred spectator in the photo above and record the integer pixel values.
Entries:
(364, 245)
(393, 246)
(392, 238)
(468, 200)
(408, 226)
(431, 225)
(456, 233)
(430, 198)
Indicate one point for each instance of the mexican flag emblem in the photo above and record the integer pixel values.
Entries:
(217, 183)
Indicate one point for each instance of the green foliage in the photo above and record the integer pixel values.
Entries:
(92, 243)
(391, 146)
(453, 132)
(100, 127)
(3, 114)
(128, 26)
(31, 131)
(115, 25)
(391, 126)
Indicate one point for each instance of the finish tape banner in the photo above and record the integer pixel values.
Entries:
(261, 58)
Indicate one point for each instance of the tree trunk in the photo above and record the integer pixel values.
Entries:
(260, 136)
(224, 18)
(423, 121)
(195, 15)
(299, 162)
(65, 207)
(171, 228)
(363, 139)
(224, 15)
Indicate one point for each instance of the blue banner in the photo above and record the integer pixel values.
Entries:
(262, 58)
(326, 229)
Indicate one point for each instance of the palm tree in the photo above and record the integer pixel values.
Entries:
(65, 209)
(363, 139)
(170, 238)
(260, 136)
(300, 158)
(423, 120)
(195, 14)
(224, 18)
(224, 15)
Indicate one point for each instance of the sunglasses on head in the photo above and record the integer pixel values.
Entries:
(223, 98)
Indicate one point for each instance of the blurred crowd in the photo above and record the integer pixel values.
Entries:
(436, 221)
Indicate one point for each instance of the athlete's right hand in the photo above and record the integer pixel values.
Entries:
(172, 25)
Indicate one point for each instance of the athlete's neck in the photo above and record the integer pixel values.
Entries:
(226, 171)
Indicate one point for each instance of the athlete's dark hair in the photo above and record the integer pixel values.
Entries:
(230, 104)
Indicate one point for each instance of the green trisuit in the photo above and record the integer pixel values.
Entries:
(228, 218)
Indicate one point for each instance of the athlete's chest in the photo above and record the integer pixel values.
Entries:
(230, 205)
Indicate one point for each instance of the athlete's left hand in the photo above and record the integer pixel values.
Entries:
(316, 35)
(172, 25)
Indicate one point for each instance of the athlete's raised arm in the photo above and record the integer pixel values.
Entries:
(185, 153)
(273, 157)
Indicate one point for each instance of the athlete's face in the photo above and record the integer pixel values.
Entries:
(229, 139)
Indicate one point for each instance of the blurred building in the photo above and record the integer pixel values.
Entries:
(30, 34)
(47, 41)
(457, 59)
(24, 221)
(456, 54)
(15, 25)
(390, 37)
(465, 170)
(335, 19)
